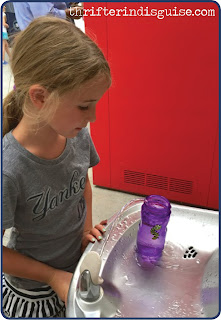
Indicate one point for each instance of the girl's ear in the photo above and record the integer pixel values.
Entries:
(38, 95)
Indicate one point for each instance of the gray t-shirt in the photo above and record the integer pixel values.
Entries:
(43, 202)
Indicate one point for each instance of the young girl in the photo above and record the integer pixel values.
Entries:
(4, 37)
(60, 74)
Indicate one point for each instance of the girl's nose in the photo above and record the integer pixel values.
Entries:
(92, 115)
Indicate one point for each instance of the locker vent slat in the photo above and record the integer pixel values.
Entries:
(155, 181)
(158, 182)
(181, 186)
(134, 177)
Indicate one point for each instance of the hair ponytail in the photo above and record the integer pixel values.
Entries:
(58, 56)
(12, 112)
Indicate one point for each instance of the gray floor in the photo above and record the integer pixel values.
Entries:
(105, 202)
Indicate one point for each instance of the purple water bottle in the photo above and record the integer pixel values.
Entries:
(155, 215)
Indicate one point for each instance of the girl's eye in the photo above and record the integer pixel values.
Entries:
(83, 108)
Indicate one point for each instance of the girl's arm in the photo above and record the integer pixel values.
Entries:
(21, 266)
(88, 198)
(91, 233)
(18, 265)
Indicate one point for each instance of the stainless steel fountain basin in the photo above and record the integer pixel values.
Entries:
(184, 284)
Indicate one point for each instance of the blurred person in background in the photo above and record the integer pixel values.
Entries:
(13, 27)
(5, 46)
(27, 11)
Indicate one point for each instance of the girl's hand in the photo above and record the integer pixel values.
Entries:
(93, 234)
(6, 25)
(60, 283)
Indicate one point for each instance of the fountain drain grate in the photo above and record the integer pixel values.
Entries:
(190, 253)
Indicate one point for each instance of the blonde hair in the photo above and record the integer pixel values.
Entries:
(55, 54)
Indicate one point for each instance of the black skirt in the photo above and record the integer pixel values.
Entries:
(36, 303)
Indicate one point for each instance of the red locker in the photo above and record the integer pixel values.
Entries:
(157, 127)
